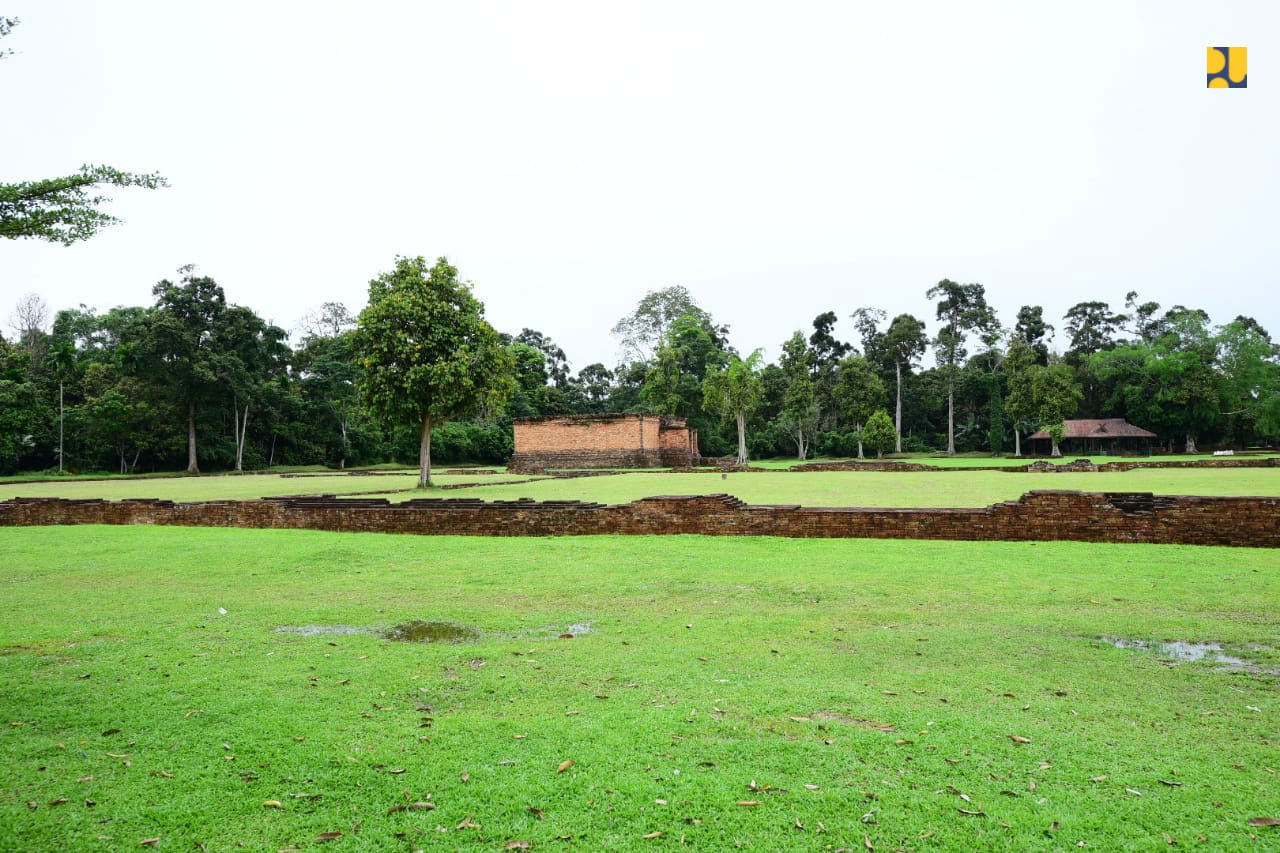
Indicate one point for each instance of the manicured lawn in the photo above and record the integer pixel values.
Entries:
(886, 695)
(233, 487)
(872, 488)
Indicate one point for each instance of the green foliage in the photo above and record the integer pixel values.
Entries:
(879, 433)
(735, 391)
(427, 354)
(65, 209)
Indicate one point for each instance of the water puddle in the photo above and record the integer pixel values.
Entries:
(422, 631)
(1180, 651)
(577, 629)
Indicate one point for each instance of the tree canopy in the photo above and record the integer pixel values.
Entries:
(428, 354)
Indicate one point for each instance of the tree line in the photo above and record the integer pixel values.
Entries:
(193, 382)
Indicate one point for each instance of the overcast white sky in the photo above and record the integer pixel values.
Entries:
(779, 160)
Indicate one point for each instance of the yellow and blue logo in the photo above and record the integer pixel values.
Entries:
(1228, 68)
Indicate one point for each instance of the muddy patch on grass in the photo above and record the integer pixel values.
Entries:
(1181, 651)
(422, 631)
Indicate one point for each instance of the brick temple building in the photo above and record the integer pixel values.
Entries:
(603, 441)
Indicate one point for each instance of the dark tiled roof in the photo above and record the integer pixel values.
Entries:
(1099, 428)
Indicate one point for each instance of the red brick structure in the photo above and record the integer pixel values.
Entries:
(1036, 516)
(603, 441)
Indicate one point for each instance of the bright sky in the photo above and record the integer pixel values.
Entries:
(779, 160)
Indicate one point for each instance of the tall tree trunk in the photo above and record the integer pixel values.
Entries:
(1191, 444)
(342, 460)
(951, 419)
(424, 455)
(271, 460)
(860, 457)
(192, 466)
(897, 418)
(1017, 441)
(242, 429)
(1054, 451)
(60, 422)
(742, 436)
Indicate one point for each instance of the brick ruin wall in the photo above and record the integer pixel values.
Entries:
(1038, 515)
(613, 441)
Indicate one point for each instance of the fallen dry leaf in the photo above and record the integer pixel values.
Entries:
(1264, 821)
(328, 836)
(149, 842)
(273, 804)
(748, 802)
(538, 813)
(564, 765)
(465, 777)
(1169, 839)
(866, 842)
(519, 845)
(1019, 739)
(978, 813)
(59, 801)
(467, 823)
(1170, 784)
(1101, 778)
(652, 835)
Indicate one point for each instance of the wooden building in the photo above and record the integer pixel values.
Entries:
(1095, 436)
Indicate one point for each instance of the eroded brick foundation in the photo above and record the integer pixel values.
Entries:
(1038, 515)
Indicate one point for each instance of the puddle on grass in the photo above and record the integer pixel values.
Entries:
(321, 630)
(422, 631)
(1180, 651)
(579, 628)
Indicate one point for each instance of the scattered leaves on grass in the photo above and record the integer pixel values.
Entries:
(1019, 739)
(652, 835)
(328, 836)
(973, 813)
(272, 804)
(564, 765)
(520, 845)
(1264, 821)
(59, 801)
(467, 822)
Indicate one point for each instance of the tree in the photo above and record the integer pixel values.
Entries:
(962, 309)
(179, 340)
(1031, 329)
(799, 411)
(427, 352)
(642, 332)
(904, 343)
(860, 394)
(61, 360)
(735, 390)
(1020, 362)
(879, 433)
(1057, 396)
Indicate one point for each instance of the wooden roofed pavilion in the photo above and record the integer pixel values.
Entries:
(1103, 436)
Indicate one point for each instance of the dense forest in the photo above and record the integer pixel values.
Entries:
(192, 382)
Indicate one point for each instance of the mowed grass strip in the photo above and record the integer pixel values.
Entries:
(913, 695)
(226, 487)
(880, 489)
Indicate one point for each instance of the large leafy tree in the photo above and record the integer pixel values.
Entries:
(180, 342)
(735, 391)
(428, 354)
(962, 310)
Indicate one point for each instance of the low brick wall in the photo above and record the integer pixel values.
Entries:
(1039, 466)
(1038, 515)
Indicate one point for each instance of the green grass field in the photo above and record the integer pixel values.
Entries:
(764, 694)
(870, 488)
